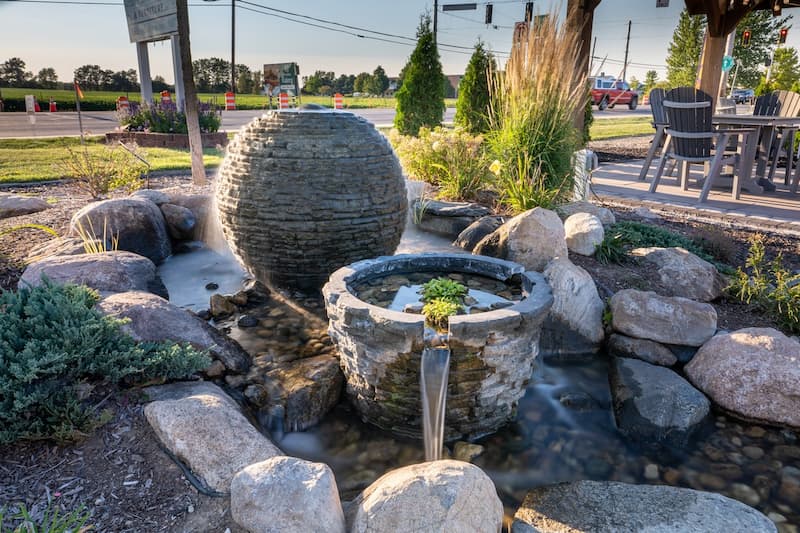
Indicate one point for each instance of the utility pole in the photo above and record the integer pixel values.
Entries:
(627, 45)
(435, 20)
(233, 46)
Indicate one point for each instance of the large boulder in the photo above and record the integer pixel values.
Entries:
(475, 232)
(533, 239)
(575, 323)
(447, 218)
(287, 494)
(204, 428)
(14, 205)
(654, 404)
(684, 274)
(613, 507)
(670, 320)
(105, 272)
(584, 233)
(649, 351)
(199, 204)
(136, 224)
(437, 496)
(154, 319)
(57, 246)
(605, 215)
(753, 372)
(180, 221)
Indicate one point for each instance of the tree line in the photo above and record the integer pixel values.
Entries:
(323, 83)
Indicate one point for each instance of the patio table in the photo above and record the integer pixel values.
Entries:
(764, 127)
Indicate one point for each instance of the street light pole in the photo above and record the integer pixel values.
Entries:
(233, 46)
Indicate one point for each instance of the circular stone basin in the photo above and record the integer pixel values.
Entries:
(303, 193)
(492, 352)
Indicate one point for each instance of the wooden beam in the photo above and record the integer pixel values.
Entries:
(711, 64)
(580, 19)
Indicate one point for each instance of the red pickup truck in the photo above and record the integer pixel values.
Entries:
(608, 92)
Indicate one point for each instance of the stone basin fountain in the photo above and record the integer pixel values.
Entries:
(492, 352)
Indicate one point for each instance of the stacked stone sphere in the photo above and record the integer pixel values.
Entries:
(303, 193)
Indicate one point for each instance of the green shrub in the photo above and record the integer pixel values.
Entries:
(100, 173)
(444, 289)
(420, 101)
(532, 109)
(472, 107)
(166, 118)
(452, 160)
(54, 346)
(438, 311)
(523, 186)
(770, 286)
(51, 521)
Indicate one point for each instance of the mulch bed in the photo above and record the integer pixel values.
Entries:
(120, 473)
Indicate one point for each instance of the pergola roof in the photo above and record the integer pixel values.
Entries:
(724, 15)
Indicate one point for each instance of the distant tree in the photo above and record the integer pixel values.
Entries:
(472, 108)
(13, 73)
(785, 68)
(650, 80)
(244, 80)
(256, 81)
(124, 80)
(420, 101)
(312, 84)
(764, 29)
(683, 54)
(160, 84)
(344, 84)
(362, 83)
(634, 83)
(212, 75)
(47, 78)
(93, 77)
(380, 81)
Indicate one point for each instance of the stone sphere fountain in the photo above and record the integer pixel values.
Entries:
(492, 352)
(302, 193)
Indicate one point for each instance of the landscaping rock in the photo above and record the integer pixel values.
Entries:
(136, 224)
(753, 372)
(475, 232)
(57, 246)
(605, 215)
(287, 494)
(307, 389)
(180, 221)
(437, 496)
(221, 306)
(584, 232)
(648, 351)
(670, 320)
(684, 274)
(198, 204)
(533, 239)
(154, 319)
(105, 272)
(654, 404)
(204, 428)
(466, 451)
(447, 218)
(613, 507)
(575, 323)
(14, 205)
(157, 197)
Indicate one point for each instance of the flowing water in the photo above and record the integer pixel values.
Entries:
(434, 368)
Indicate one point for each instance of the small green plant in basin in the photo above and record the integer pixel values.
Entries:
(443, 298)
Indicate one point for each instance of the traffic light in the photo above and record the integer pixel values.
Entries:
(782, 35)
(487, 19)
(746, 38)
(528, 11)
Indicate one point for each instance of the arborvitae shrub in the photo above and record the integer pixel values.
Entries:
(472, 108)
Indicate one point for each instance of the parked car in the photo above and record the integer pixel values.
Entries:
(608, 92)
(743, 96)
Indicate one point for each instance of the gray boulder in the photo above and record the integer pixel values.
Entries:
(14, 205)
(584, 233)
(533, 239)
(105, 272)
(57, 246)
(136, 224)
(436, 496)
(654, 404)
(287, 494)
(684, 274)
(198, 204)
(157, 197)
(648, 351)
(753, 372)
(605, 215)
(180, 221)
(475, 232)
(154, 319)
(613, 507)
(447, 218)
(575, 323)
(204, 428)
(669, 320)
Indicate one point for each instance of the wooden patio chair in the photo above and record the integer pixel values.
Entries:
(780, 104)
(660, 124)
(692, 138)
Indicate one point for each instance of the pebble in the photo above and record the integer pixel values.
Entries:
(247, 321)
(736, 441)
(466, 451)
(672, 476)
(756, 432)
(712, 481)
(651, 472)
(753, 452)
(776, 517)
(745, 494)
(211, 286)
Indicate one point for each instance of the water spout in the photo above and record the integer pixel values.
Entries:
(434, 369)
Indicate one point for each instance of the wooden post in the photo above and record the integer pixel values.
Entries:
(580, 18)
(711, 64)
(192, 115)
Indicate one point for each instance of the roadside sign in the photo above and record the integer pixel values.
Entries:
(727, 63)
(151, 20)
(30, 104)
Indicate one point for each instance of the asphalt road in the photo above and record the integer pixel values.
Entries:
(17, 125)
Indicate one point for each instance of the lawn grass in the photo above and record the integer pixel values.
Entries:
(612, 128)
(29, 160)
(65, 99)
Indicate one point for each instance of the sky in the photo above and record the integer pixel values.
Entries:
(65, 34)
